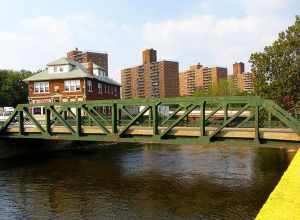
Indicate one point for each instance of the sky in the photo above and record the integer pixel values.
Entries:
(211, 32)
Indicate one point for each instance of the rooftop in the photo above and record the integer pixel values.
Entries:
(76, 71)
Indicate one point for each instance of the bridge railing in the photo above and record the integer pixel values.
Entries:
(202, 119)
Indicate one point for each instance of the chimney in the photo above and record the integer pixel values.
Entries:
(90, 68)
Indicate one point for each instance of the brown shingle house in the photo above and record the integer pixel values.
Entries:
(65, 80)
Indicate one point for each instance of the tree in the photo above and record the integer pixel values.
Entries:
(223, 88)
(277, 68)
(12, 88)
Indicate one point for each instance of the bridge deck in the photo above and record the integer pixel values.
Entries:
(285, 134)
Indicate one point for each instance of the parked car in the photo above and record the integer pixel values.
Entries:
(5, 113)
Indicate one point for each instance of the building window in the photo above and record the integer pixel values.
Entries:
(72, 85)
(116, 91)
(41, 87)
(61, 69)
(90, 86)
(99, 88)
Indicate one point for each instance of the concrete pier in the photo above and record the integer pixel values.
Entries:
(284, 201)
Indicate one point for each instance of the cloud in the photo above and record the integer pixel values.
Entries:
(206, 34)
(214, 40)
(41, 39)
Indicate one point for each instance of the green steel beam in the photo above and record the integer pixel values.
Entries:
(229, 121)
(48, 121)
(35, 122)
(154, 111)
(203, 119)
(152, 105)
(187, 112)
(134, 120)
(78, 121)
(124, 109)
(101, 116)
(60, 118)
(245, 120)
(213, 112)
(114, 118)
(172, 115)
(21, 122)
(98, 123)
(257, 137)
(9, 120)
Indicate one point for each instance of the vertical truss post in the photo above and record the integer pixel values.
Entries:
(257, 138)
(114, 118)
(78, 121)
(150, 118)
(21, 122)
(154, 113)
(65, 113)
(119, 116)
(225, 109)
(202, 119)
(48, 120)
(270, 119)
(187, 118)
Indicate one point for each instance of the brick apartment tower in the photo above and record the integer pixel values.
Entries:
(242, 80)
(152, 79)
(198, 77)
(100, 59)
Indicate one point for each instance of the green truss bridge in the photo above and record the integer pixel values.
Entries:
(172, 120)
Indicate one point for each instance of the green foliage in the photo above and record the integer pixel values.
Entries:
(13, 90)
(224, 88)
(277, 68)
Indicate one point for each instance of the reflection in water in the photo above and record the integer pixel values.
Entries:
(142, 182)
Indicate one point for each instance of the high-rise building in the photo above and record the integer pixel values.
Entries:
(198, 77)
(242, 80)
(238, 68)
(101, 59)
(152, 79)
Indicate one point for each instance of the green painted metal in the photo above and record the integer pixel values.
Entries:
(116, 117)
(134, 120)
(34, 121)
(98, 122)
(257, 138)
(180, 119)
(229, 121)
(203, 119)
(62, 120)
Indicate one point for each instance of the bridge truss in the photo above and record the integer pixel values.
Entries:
(172, 120)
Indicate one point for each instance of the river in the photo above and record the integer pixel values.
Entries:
(141, 181)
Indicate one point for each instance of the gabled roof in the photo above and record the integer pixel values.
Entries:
(62, 61)
(78, 71)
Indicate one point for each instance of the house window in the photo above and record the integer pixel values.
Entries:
(90, 86)
(72, 85)
(99, 88)
(41, 87)
(61, 69)
(55, 69)
(116, 92)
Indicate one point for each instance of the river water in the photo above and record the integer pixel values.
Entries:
(131, 181)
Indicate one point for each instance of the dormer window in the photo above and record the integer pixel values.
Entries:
(60, 68)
